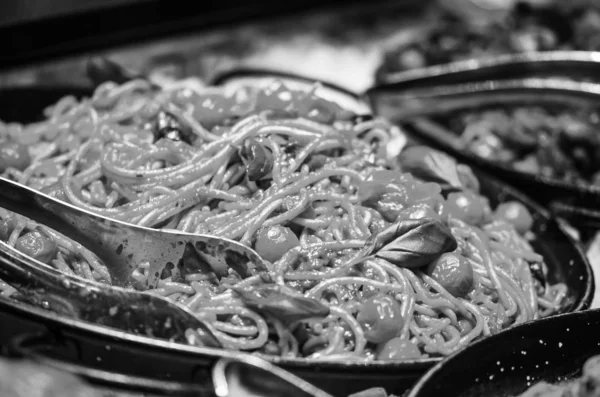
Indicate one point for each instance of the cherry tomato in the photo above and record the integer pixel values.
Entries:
(15, 155)
(516, 214)
(55, 190)
(213, 109)
(318, 109)
(453, 272)
(465, 326)
(273, 242)
(398, 349)
(38, 246)
(276, 97)
(465, 206)
(419, 211)
(381, 318)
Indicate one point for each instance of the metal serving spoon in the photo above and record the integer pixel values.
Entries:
(122, 247)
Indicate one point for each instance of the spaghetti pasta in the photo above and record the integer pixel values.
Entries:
(369, 257)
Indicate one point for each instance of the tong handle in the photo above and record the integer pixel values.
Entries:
(567, 64)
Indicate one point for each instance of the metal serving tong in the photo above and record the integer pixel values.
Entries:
(398, 104)
(575, 65)
(254, 377)
(121, 247)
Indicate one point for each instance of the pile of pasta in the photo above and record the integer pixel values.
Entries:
(374, 250)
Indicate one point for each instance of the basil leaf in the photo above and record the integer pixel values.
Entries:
(282, 303)
(411, 243)
(430, 165)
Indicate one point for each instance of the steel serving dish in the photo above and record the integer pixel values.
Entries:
(99, 348)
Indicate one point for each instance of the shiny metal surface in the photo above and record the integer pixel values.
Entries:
(567, 64)
(250, 376)
(122, 246)
(100, 304)
(397, 103)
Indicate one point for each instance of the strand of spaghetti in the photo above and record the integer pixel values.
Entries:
(196, 170)
(407, 308)
(16, 232)
(335, 339)
(424, 309)
(433, 325)
(314, 224)
(312, 128)
(298, 134)
(184, 198)
(249, 281)
(107, 94)
(516, 254)
(85, 267)
(521, 300)
(318, 290)
(407, 298)
(451, 314)
(195, 126)
(479, 324)
(303, 155)
(175, 209)
(329, 144)
(452, 336)
(378, 270)
(255, 223)
(356, 220)
(301, 205)
(277, 160)
(274, 194)
(62, 107)
(145, 197)
(148, 219)
(443, 292)
(545, 303)
(77, 248)
(237, 343)
(217, 220)
(60, 264)
(422, 295)
(282, 265)
(232, 329)
(488, 264)
(217, 179)
(359, 337)
(318, 275)
(191, 169)
(528, 286)
(430, 345)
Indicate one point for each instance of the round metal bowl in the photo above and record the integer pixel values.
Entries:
(552, 350)
(109, 350)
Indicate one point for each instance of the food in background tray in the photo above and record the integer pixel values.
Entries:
(375, 251)
(557, 25)
(588, 385)
(556, 143)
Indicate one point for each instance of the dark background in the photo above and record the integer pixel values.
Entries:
(19, 11)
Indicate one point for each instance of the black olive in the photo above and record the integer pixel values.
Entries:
(257, 159)
(538, 273)
(167, 127)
